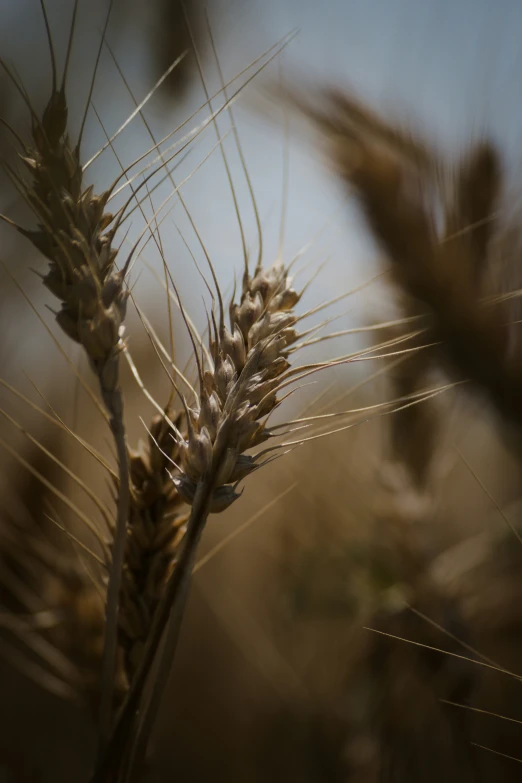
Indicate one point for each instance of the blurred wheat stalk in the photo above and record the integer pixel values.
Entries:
(454, 262)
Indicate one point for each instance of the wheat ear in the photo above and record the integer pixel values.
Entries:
(156, 528)
(75, 233)
(248, 363)
(442, 270)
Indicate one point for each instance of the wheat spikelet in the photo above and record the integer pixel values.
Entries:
(236, 393)
(73, 236)
(250, 364)
(156, 528)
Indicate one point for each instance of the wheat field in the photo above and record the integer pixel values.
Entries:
(259, 396)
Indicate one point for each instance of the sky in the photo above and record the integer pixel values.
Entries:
(450, 68)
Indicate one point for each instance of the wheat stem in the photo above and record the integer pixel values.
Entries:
(172, 600)
(144, 727)
(114, 402)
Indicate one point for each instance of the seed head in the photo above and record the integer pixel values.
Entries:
(250, 359)
(73, 234)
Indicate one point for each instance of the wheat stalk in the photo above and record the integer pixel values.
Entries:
(248, 365)
(75, 234)
(156, 527)
(443, 270)
(442, 265)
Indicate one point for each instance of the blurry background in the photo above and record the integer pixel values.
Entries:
(265, 683)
